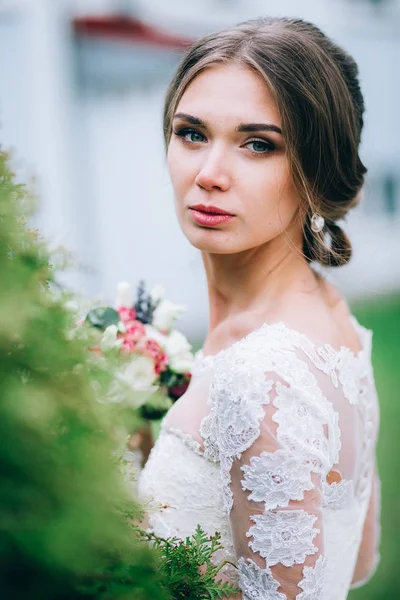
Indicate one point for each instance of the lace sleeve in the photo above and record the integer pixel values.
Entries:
(275, 435)
(368, 556)
(276, 516)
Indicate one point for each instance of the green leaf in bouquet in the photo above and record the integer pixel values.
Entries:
(102, 317)
(168, 377)
(156, 406)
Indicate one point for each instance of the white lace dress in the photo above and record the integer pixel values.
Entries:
(273, 445)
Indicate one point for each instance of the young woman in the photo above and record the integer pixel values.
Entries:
(273, 444)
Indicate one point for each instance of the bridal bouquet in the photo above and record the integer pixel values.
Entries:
(150, 360)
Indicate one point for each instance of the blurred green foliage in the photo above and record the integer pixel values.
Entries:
(382, 315)
(69, 527)
(64, 505)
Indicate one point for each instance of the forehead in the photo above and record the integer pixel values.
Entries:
(231, 92)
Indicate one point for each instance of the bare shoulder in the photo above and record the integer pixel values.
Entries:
(231, 331)
(334, 297)
(323, 317)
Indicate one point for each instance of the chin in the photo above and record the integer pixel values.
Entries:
(212, 241)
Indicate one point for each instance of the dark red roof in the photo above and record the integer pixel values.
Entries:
(127, 28)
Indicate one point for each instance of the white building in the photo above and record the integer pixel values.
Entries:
(81, 93)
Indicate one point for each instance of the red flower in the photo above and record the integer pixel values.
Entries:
(135, 331)
(176, 391)
(153, 349)
(126, 314)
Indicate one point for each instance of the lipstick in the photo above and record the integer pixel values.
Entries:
(209, 216)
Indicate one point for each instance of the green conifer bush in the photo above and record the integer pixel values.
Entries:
(69, 528)
(63, 501)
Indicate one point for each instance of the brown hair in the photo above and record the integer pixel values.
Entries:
(316, 88)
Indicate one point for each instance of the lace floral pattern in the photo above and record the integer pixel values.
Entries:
(285, 537)
(301, 423)
(368, 415)
(340, 365)
(238, 393)
(337, 495)
(276, 478)
(181, 489)
(233, 423)
(202, 363)
(257, 583)
(351, 371)
(313, 580)
(274, 383)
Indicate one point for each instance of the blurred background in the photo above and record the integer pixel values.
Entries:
(81, 93)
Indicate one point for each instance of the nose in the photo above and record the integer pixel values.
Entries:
(213, 174)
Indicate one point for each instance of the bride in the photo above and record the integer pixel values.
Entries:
(273, 443)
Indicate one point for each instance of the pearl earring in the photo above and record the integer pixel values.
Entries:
(317, 222)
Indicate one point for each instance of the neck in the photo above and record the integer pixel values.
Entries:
(255, 280)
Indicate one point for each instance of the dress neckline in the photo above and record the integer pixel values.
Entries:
(364, 336)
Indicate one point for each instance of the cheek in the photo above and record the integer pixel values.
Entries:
(179, 168)
(275, 198)
(172, 163)
(180, 177)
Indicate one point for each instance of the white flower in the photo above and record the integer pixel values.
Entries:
(157, 294)
(119, 392)
(179, 352)
(176, 343)
(109, 339)
(121, 327)
(139, 374)
(181, 363)
(124, 294)
(153, 334)
(166, 314)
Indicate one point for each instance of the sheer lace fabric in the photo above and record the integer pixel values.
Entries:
(273, 445)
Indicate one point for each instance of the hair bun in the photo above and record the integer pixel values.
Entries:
(340, 249)
(336, 253)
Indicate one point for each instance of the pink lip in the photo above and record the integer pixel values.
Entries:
(210, 209)
(209, 219)
(209, 215)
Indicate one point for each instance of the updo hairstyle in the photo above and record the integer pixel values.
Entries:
(315, 85)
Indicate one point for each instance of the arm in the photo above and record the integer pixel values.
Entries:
(368, 556)
(276, 435)
(142, 440)
(276, 519)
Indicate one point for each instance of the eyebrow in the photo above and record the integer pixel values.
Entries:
(243, 127)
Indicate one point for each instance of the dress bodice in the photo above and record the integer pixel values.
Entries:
(273, 445)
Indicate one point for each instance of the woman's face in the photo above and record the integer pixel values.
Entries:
(227, 154)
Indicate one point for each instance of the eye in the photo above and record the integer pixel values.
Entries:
(190, 136)
(260, 146)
